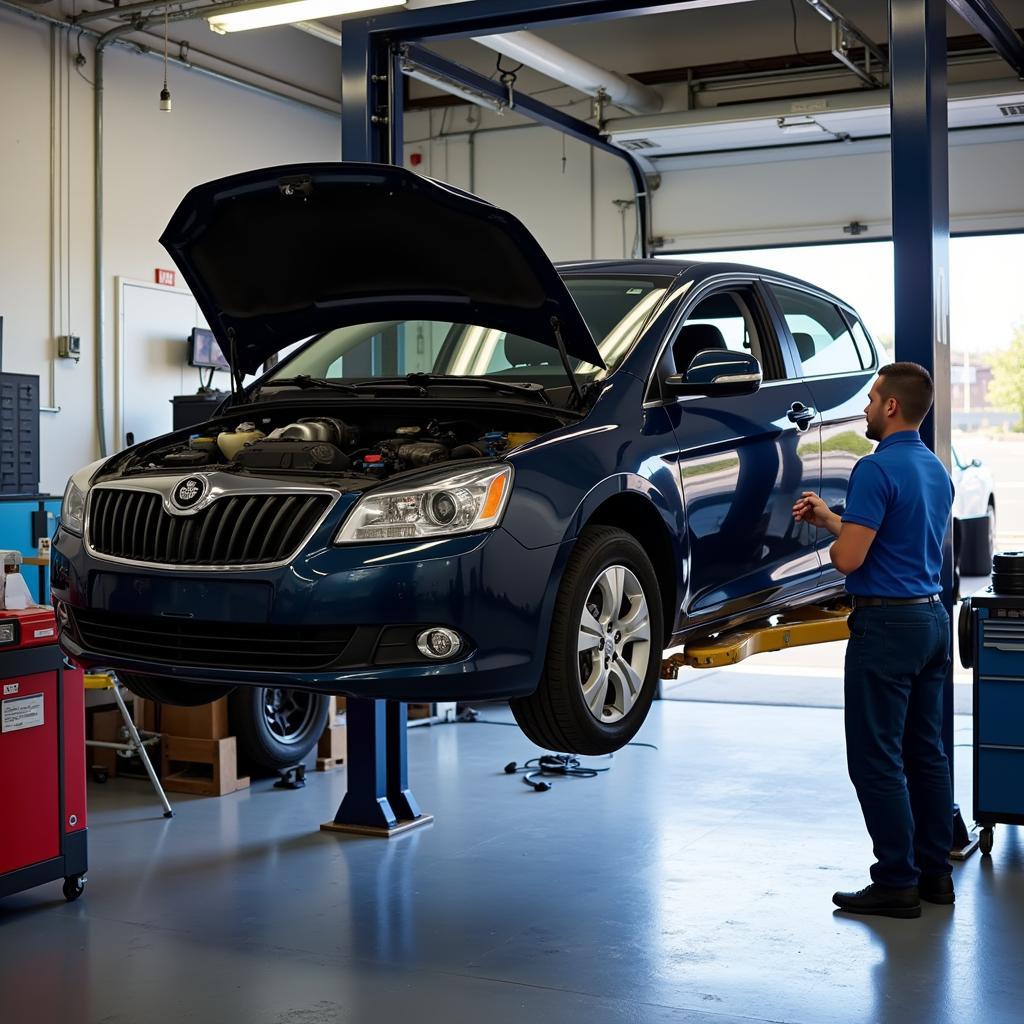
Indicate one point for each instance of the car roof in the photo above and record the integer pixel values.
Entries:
(686, 270)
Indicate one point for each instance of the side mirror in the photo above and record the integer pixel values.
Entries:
(717, 371)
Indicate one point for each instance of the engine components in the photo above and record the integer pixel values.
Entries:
(319, 428)
(327, 444)
(230, 442)
(285, 453)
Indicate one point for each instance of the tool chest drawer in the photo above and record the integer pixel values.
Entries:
(1000, 711)
(1002, 769)
(1001, 647)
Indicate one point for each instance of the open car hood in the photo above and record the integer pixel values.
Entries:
(278, 254)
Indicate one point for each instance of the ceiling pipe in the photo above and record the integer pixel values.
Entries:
(562, 66)
(99, 285)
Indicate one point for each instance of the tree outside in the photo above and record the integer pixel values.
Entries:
(1007, 387)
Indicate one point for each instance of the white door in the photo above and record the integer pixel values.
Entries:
(153, 326)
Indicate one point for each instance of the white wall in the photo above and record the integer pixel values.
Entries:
(151, 159)
(569, 208)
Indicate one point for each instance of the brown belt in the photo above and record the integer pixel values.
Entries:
(860, 602)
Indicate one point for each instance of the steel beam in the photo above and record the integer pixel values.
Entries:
(484, 16)
(988, 21)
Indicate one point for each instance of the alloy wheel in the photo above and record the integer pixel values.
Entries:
(288, 713)
(614, 644)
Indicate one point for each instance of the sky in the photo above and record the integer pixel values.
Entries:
(986, 299)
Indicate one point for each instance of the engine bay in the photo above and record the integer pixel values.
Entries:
(356, 445)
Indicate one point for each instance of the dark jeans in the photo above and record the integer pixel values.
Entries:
(896, 663)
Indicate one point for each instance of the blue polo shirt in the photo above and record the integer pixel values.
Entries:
(903, 491)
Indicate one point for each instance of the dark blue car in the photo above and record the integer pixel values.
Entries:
(470, 475)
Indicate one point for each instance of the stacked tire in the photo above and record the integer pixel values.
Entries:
(1008, 573)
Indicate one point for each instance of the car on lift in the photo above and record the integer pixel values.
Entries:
(471, 474)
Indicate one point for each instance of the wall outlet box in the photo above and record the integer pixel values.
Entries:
(69, 346)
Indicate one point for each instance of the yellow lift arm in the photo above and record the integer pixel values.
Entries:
(797, 628)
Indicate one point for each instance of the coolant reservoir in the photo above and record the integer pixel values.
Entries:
(230, 442)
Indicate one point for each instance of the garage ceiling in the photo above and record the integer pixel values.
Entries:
(740, 56)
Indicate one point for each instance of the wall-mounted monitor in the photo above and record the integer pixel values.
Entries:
(204, 352)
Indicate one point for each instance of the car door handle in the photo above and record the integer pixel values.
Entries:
(801, 414)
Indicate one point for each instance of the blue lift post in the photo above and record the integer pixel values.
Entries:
(378, 799)
(920, 216)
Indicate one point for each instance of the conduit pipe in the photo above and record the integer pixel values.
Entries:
(99, 285)
(562, 66)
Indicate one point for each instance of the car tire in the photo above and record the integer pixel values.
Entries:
(978, 543)
(173, 691)
(605, 562)
(277, 727)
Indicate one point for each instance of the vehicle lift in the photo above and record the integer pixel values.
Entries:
(379, 801)
(797, 628)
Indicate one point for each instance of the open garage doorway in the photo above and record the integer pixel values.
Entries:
(987, 400)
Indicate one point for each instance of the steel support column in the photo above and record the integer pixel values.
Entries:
(920, 215)
(377, 800)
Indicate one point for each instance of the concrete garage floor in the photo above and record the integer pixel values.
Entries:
(691, 883)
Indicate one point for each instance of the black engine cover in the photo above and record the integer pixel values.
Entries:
(285, 453)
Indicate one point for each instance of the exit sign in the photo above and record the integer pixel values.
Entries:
(164, 277)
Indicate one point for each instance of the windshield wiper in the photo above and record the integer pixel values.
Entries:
(417, 382)
(512, 387)
(303, 380)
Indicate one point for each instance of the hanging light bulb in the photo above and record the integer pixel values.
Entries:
(165, 93)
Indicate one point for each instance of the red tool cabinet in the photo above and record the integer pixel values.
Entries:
(42, 758)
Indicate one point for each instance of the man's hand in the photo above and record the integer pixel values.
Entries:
(812, 509)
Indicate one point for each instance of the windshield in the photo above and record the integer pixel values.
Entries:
(615, 309)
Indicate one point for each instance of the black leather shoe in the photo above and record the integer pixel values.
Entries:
(937, 889)
(882, 902)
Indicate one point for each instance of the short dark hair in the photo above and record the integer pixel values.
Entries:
(911, 385)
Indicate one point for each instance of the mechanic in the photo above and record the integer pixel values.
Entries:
(889, 546)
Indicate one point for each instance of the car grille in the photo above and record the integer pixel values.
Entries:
(247, 529)
(210, 644)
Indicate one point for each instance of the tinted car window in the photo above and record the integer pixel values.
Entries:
(823, 340)
(860, 338)
(722, 320)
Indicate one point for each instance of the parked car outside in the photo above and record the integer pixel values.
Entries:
(974, 515)
(480, 476)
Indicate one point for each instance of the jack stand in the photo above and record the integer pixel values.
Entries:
(378, 801)
(291, 778)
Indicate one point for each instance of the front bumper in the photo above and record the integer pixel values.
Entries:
(493, 591)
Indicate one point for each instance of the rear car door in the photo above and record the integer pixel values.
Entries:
(743, 460)
(836, 360)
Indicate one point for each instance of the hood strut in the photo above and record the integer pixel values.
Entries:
(556, 327)
(237, 375)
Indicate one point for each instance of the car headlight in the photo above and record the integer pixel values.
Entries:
(441, 507)
(72, 510)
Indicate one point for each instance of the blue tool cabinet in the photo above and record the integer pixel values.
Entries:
(994, 627)
(23, 520)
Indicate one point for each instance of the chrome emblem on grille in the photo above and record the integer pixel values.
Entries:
(188, 492)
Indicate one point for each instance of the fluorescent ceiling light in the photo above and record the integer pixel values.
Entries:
(263, 16)
(448, 85)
